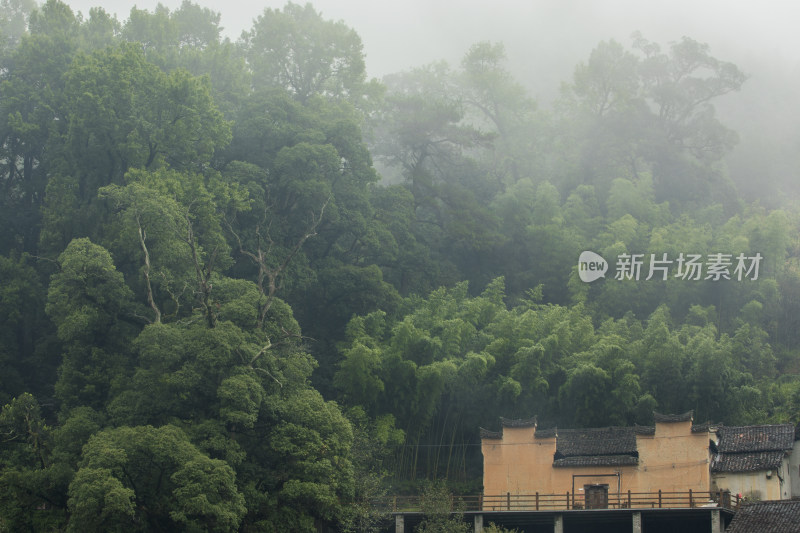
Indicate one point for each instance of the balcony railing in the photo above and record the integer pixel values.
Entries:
(567, 501)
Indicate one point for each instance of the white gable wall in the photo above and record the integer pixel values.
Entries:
(760, 485)
(794, 471)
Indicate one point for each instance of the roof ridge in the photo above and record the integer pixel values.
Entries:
(488, 434)
(604, 428)
(518, 422)
(760, 426)
(688, 416)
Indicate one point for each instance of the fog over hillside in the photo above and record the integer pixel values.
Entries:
(258, 283)
(544, 38)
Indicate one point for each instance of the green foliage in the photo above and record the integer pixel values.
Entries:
(122, 112)
(144, 477)
(169, 117)
(23, 329)
(14, 16)
(240, 399)
(200, 264)
(642, 111)
(29, 480)
(31, 107)
(494, 528)
(25, 435)
(87, 294)
(296, 49)
(440, 512)
(88, 302)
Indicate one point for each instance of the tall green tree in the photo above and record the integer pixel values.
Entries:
(648, 110)
(500, 104)
(25, 333)
(33, 484)
(122, 113)
(142, 478)
(297, 50)
(31, 95)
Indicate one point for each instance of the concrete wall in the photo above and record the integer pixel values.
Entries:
(672, 460)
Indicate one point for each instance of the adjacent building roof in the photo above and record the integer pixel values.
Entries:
(737, 439)
(752, 448)
(705, 427)
(773, 516)
(546, 433)
(747, 462)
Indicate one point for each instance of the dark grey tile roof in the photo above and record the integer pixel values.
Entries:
(770, 516)
(737, 439)
(752, 448)
(546, 433)
(746, 462)
(494, 435)
(684, 417)
(599, 441)
(518, 423)
(597, 460)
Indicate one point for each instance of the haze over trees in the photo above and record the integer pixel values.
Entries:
(216, 314)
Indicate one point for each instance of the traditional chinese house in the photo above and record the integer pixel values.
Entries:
(756, 462)
(673, 456)
(672, 476)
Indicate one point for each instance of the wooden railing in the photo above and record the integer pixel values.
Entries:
(567, 501)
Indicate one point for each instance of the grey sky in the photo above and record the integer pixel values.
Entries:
(544, 38)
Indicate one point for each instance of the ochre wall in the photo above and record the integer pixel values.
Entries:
(672, 460)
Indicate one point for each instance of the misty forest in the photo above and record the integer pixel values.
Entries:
(245, 287)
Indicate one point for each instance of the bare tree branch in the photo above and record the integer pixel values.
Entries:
(146, 270)
(273, 275)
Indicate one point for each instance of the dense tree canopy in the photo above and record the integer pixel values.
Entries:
(246, 288)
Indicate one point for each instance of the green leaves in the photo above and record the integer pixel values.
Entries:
(25, 436)
(309, 455)
(358, 376)
(134, 477)
(88, 293)
(653, 110)
(240, 399)
(128, 113)
(89, 301)
(215, 288)
(296, 49)
(98, 500)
